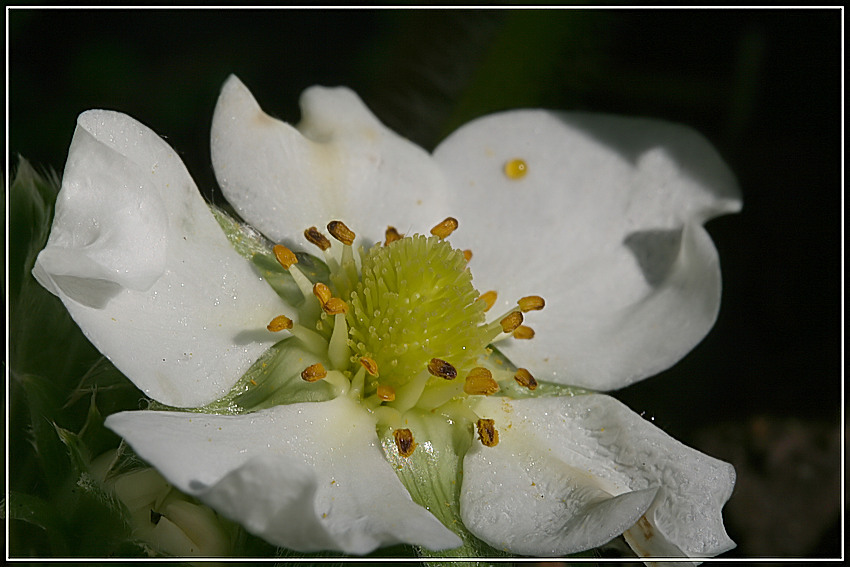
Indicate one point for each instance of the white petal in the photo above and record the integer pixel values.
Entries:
(144, 269)
(605, 225)
(559, 458)
(308, 477)
(340, 163)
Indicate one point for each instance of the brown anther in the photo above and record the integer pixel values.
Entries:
(523, 332)
(445, 228)
(511, 322)
(487, 433)
(442, 369)
(322, 293)
(404, 441)
(489, 299)
(531, 303)
(313, 235)
(524, 378)
(341, 232)
(480, 382)
(335, 306)
(284, 255)
(391, 235)
(370, 365)
(467, 255)
(314, 373)
(385, 393)
(279, 323)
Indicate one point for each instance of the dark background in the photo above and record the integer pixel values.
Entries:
(764, 389)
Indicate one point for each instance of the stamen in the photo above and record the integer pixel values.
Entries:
(314, 372)
(487, 433)
(335, 306)
(524, 378)
(285, 256)
(531, 303)
(341, 232)
(511, 322)
(386, 393)
(322, 293)
(280, 323)
(480, 382)
(442, 369)
(391, 235)
(370, 365)
(516, 168)
(489, 299)
(404, 441)
(523, 332)
(445, 228)
(313, 235)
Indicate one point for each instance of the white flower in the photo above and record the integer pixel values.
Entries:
(601, 216)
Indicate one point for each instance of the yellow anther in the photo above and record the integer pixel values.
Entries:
(524, 378)
(511, 322)
(404, 441)
(487, 433)
(314, 373)
(335, 306)
(370, 365)
(531, 303)
(516, 168)
(489, 299)
(341, 232)
(279, 323)
(391, 235)
(467, 255)
(480, 382)
(442, 369)
(523, 332)
(313, 235)
(322, 293)
(445, 228)
(284, 255)
(385, 393)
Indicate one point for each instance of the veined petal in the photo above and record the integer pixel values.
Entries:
(340, 163)
(570, 472)
(605, 224)
(308, 476)
(146, 272)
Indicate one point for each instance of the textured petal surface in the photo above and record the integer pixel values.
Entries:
(308, 477)
(340, 163)
(547, 486)
(145, 270)
(605, 225)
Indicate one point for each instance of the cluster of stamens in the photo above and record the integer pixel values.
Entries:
(404, 329)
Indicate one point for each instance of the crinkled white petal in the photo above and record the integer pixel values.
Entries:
(571, 473)
(340, 163)
(146, 272)
(605, 225)
(307, 477)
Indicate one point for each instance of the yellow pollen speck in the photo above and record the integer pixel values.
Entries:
(404, 441)
(284, 255)
(385, 393)
(511, 322)
(523, 332)
(279, 323)
(480, 382)
(516, 168)
(445, 228)
(335, 306)
(314, 373)
(467, 255)
(322, 292)
(487, 433)
(341, 232)
(524, 378)
(313, 235)
(442, 369)
(391, 235)
(531, 303)
(489, 299)
(370, 365)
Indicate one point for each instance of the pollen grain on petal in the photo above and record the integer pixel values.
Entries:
(391, 235)
(524, 378)
(341, 232)
(480, 382)
(523, 332)
(313, 236)
(442, 369)
(285, 256)
(314, 372)
(404, 441)
(280, 323)
(445, 228)
(487, 433)
(467, 255)
(489, 299)
(370, 365)
(516, 168)
(511, 321)
(531, 303)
